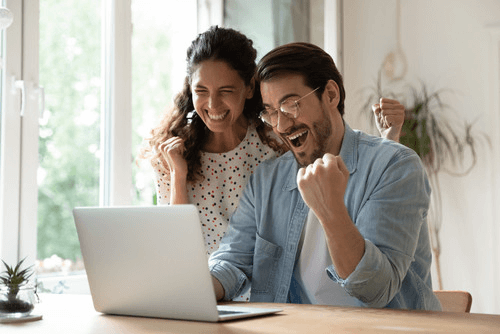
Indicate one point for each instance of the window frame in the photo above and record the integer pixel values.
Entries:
(116, 128)
(19, 160)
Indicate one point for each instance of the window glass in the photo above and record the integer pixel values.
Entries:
(159, 43)
(277, 22)
(69, 147)
(68, 172)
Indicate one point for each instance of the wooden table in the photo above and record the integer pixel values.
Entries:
(75, 314)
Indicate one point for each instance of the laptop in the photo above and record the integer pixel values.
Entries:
(151, 261)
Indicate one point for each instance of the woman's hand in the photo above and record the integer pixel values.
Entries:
(172, 151)
(389, 118)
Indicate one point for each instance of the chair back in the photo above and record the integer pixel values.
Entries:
(454, 301)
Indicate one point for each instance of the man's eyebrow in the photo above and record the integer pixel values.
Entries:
(283, 99)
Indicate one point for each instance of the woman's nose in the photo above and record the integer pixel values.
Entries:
(213, 101)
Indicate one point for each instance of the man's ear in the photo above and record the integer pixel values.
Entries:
(332, 93)
(251, 89)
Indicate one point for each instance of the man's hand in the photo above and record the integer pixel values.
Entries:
(322, 185)
(389, 118)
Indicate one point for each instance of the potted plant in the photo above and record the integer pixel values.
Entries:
(17, 296)
(443, 141)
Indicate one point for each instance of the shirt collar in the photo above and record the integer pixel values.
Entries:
(348, 152)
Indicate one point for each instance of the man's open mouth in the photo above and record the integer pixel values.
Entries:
(298, 139)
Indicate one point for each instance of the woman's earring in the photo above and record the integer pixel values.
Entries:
(190, 116)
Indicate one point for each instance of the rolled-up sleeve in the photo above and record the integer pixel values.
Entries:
(390, 220)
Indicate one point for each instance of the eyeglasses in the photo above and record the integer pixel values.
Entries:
(289, 108)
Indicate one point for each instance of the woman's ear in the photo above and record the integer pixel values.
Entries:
(251, 89)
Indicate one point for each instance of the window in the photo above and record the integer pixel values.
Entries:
(82, 83)
(277, 22)
(70, 152)
(158, 69)
(84, 159)
(19, 134)
(92, 87)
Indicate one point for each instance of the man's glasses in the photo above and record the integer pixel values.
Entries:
(289, 108)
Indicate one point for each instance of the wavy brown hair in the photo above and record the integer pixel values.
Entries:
(220, 44)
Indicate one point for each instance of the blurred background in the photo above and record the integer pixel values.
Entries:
(93, 77)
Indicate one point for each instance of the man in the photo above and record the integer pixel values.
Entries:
(338, 220)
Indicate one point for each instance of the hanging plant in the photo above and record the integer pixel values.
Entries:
(437, 135)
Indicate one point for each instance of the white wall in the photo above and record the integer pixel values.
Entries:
(447, 44)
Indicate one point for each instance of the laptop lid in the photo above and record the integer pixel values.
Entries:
(147, 261)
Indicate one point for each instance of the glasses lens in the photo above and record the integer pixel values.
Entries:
(289, 108)
(267, 116)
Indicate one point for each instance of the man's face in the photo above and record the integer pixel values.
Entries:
(318, 128)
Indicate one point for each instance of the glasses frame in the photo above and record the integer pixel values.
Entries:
(284, 112)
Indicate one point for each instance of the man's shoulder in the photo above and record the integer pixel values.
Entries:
(381, 147)
(371, 154)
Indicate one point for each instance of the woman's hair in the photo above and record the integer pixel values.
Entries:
(308, 60)
(220, 44)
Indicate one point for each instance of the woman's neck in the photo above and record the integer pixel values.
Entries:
(220, 142)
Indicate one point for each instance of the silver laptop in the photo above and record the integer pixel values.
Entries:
(151, 261)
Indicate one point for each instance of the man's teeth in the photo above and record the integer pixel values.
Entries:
(217, 117)
(297, 135)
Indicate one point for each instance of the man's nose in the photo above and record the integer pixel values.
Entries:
(284, 122)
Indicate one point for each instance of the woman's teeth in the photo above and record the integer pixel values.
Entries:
(217, 117)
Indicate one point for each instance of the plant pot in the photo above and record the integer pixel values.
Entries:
(17, 303)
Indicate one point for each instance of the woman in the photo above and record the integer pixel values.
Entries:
(205, 149)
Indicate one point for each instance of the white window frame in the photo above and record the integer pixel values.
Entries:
(210, 12)
(116, 127)
(19, 160)
(334, 21)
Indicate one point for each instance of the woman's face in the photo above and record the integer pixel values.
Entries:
(219, 95)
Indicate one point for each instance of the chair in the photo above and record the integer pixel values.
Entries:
(454, 301)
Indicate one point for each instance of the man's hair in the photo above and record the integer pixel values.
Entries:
(308, 60)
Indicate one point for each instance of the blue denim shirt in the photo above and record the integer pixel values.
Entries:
(387, 197)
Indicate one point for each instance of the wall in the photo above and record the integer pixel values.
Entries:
(447, 45)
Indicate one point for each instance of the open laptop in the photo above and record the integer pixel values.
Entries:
(151, 261)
